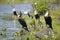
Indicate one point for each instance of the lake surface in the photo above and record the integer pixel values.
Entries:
(7, 8)
(12, 25)
(11, 28)
(54, 5)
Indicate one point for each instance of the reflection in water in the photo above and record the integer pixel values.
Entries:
(14, 23)
(10, 29)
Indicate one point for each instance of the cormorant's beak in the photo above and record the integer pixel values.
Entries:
(14, 9)
(35, 12)
(18, 15)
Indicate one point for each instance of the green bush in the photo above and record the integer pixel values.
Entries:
(40, 7)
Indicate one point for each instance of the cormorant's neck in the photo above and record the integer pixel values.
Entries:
(25, 12)
(46, 14)
(14, 9)
(35, 12)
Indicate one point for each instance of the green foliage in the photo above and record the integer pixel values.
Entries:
(41, 6)
(57, 1)
(8, 17)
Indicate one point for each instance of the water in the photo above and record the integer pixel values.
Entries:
(11, 28)
(11, 25)
(54, 5)
(6, 8)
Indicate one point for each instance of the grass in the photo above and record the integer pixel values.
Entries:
(19, 1)
(55, 14)
(11, 1)
(55, 17)
(7, 17)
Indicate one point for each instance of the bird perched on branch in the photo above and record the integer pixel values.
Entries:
(20, 20)
(48, 18)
